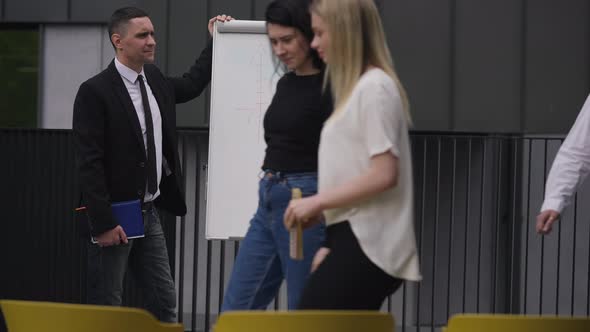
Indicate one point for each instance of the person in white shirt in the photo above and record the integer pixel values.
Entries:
(365, 173)
(569, 169)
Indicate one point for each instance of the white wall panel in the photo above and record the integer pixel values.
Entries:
(70, 55)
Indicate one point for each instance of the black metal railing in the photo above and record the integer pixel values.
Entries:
(476, 199)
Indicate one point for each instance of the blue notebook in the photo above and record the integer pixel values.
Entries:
(127, 214)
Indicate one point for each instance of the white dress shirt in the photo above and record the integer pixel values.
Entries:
(571, 164)
(131, 82)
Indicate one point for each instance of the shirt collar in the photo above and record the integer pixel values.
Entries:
(128, 73)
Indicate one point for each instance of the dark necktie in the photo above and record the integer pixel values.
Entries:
(152, 173)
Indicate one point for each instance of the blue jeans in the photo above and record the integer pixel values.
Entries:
(147, 259)
(263, 259)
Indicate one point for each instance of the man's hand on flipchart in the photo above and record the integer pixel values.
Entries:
(545, 221)
(112, 237)
(218, 18)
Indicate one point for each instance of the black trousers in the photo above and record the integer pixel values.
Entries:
(347, 279)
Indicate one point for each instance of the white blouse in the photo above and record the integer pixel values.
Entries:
(372, 122)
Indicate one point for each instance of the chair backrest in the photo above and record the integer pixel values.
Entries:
(25, 316)
(517, 323)
(305, 321)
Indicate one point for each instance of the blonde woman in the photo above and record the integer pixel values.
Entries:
(365, 174)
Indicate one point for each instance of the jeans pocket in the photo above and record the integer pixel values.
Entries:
(308, 184)
(152, 223)
(156, 214)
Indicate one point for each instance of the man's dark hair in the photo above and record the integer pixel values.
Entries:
(295, 14)
(120, 18)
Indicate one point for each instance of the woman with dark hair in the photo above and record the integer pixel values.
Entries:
(292, 126)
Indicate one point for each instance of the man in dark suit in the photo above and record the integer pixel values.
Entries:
(125, 140)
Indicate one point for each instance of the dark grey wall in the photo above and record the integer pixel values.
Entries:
(557, 68)
(491, 66)
(95, 11)
(486, 65)
(468, 65)
(36, 11)
(421, 48)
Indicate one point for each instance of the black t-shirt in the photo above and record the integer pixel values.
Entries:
(293, 122)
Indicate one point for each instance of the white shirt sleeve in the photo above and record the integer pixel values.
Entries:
(571, 165)
(382, 118)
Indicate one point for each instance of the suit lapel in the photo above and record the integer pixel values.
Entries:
(123, 94)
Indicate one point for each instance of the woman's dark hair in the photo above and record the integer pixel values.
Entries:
(294, 13)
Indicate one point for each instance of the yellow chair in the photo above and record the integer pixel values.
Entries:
(516, 323)
(26, 316)
(305, 321)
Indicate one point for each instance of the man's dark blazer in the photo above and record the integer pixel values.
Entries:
(110, 153)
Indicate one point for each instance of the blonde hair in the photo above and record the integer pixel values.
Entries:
(357, 41)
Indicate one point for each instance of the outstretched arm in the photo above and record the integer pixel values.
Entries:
(193, 82)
